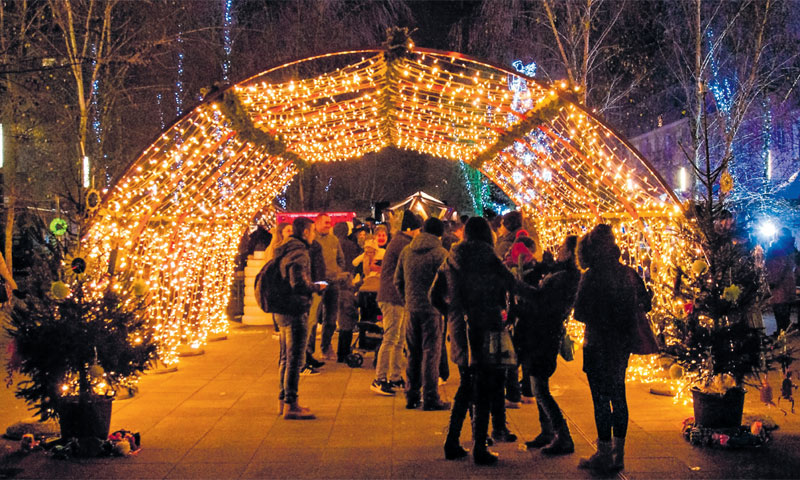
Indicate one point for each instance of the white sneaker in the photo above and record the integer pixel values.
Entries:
(309, 371)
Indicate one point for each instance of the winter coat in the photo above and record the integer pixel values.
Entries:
(333, 255)
(445, 298)
(388, 292)
(542, 310)
(609, 294)
(416, 268)
(504, 243)
(477, 284)
(780, 265)
(295, 265)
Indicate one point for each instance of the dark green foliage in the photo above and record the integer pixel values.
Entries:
(718, 332)
(58, 341)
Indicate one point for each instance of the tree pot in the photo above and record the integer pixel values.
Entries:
(89, 419)
(714, 410)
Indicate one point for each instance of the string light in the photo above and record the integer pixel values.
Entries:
(568, 172)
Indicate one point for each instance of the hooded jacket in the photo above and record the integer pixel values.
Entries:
(416, 268)
(295, 265)
(609, 294)
(387, 292)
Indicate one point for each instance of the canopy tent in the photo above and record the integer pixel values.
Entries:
(174, 219)
(427, 206)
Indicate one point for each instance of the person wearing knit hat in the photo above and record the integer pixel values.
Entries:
(391, 360)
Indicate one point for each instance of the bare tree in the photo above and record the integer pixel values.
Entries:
(730, 58)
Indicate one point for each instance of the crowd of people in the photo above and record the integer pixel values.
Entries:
(501, 300)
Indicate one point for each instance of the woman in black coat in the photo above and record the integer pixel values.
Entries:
(609, 295)
(477, 285)
(543, 309)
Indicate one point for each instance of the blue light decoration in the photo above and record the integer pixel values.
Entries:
(721, 88)
(227, 20)
(224, 182)
(179, 81)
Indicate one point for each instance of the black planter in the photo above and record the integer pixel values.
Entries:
(712, 410)
(81, 420)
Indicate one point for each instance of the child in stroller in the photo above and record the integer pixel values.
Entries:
(370, 333)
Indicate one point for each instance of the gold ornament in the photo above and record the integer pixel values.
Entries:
(726, 182)
(59, 290)
(699, 267)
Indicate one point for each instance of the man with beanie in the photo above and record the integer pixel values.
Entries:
(416, 269)
(391, 359)
(335, 274)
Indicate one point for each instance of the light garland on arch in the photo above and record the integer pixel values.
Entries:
(557, 162)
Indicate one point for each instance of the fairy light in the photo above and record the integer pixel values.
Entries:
(568, 172)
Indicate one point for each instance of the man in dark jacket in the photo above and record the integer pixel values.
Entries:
(348, 313)
(416, 269)
(391, 359)
(292, 315)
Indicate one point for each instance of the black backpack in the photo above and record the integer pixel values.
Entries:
(270, 285)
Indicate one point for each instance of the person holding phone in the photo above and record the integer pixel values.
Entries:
(292, 315)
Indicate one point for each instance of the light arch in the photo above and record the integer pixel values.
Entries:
(173, 221)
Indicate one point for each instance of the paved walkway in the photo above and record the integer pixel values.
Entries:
(216, 418)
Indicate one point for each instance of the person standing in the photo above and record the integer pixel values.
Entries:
(391, 359)
(335, 274)
(478, 283)
(348, 313)
(543, 308)
(609, 294)
(780, 265)
(292, 315)
(416, 269)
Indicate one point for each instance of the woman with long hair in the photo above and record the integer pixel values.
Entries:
(477, 284)
(609, 294)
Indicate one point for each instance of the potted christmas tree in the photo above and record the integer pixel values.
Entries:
(77, 338)
(715, 330)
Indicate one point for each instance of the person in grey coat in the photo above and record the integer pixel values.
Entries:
(416, 269)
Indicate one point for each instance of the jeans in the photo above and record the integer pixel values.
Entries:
(550, 416)
(391, 360)
(424, 337)
(608, 397)
(328, 315)
(293, 330)
(316, 305)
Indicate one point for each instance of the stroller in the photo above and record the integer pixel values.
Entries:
(370, 333)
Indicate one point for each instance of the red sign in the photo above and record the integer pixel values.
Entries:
(336, 217)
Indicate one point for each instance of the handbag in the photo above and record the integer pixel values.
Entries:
(498, 349)
(567, 347)
(643, 341)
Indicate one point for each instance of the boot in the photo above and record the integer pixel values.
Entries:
(618, 453)
(547, 435)
(452, 444)
(599, 462)
(483, 456)
(294, 411)
(562, 442)
(343, 347)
